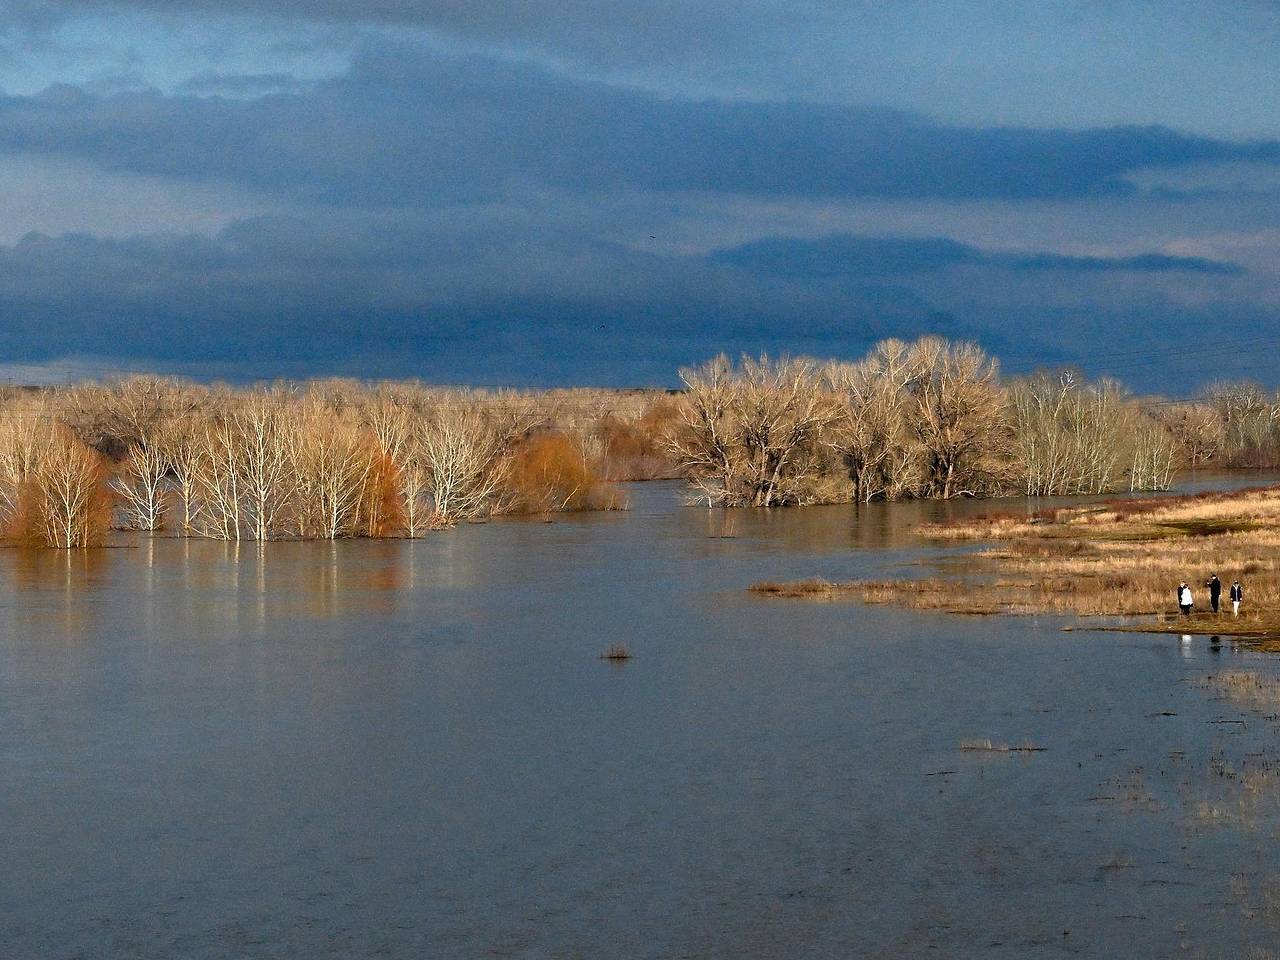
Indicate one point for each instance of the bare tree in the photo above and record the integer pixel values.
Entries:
(25, 431)
(751, 435)
(141, 482)
(180, 441)
(1155, 457)
(217, 472)
(958, 416)
(415, 483)
(331, 463)
(871, 430)
(71, 506)
(115, 416)
(1069, 434)
(261, 456)
(1250, 419)
(462, 448)
(399, 427)
(1196, 427)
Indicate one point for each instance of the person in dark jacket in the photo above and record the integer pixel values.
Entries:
(1215, 591)
(1184, 599)
(1237, 594)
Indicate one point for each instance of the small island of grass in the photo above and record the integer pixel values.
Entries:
(1116, 558)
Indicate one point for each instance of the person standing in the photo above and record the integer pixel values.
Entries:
(1215, 591)
(1237, 594)
(1185, 600)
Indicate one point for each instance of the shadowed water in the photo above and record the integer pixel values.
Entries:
(395, 749)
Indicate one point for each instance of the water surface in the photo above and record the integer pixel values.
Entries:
(412, 749)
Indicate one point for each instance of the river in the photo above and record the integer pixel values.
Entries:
(413, 749)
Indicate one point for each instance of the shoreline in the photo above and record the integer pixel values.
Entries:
(1118, 558)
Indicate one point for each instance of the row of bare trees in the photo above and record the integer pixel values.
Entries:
(324, 461)
(332, 459)
(1077, 437)
(925, 419)
(1231, 424)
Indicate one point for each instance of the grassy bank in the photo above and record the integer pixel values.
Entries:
(1121, 558)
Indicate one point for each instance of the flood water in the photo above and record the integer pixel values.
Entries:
(396, 749)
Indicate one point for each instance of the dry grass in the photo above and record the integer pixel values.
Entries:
(1120, 558)
(1249, 690)
(987, 746)
(798, 588)
(1202, 514)
(1244, 795)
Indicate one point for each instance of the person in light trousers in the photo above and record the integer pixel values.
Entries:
(1185, 599)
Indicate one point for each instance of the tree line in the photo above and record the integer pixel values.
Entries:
(324, 460)
(334, 459)
(934, 419)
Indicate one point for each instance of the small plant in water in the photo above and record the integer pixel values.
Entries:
(815, 586)
(987, 746)
(616, 652)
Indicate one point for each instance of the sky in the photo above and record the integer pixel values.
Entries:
(531, 193)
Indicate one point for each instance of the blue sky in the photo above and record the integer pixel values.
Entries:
(590, 192)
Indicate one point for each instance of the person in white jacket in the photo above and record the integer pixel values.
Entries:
(1185, 599)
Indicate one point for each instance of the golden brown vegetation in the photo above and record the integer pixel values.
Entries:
(1118, 558)
(797, 588)
(633, 449)
(1250, 690)
(327, 459)
(66, 501)
(987, 746)
(929, 419)
(551, 472)
(337, 458)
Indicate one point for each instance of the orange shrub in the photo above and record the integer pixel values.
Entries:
(68, 501)
(381, 507)
(550, 472)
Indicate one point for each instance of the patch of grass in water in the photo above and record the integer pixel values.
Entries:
(987, 746)
(814, 587)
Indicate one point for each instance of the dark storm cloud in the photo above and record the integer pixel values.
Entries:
(351, 294)
(329, 286)
(409, 127)
(844, 255)
(407, 264)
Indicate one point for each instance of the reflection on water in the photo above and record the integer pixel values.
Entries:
(248, 582)
(412, 749)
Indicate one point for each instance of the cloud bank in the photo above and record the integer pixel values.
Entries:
(502, 218)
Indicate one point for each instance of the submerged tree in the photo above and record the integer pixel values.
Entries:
(331, 465)
(957, 417)
(751, 434)
(871, 431)
(69, 501)
(463, 451)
